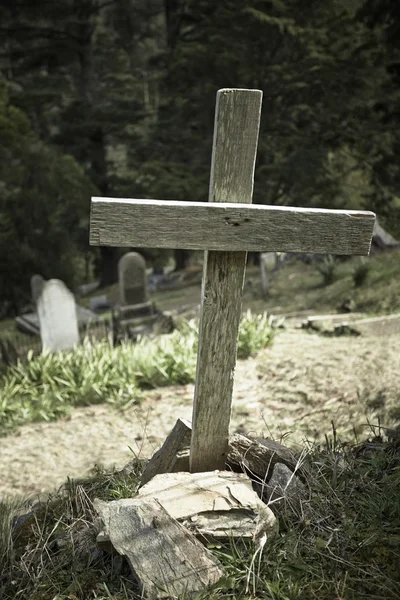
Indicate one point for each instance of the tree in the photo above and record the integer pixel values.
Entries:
(90, 52)
(323, 72)
(44, 204)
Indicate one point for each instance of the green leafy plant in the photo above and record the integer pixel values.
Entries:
(327, 268)
(360, 272)
(50, 385)
(256, 332)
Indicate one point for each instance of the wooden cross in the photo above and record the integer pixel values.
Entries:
(226, 227)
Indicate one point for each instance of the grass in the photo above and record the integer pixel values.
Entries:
(51, 385)
(342, 542)
(299, 287)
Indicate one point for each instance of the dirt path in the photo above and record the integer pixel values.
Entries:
(298, 386)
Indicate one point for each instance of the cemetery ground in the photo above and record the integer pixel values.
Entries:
(345, 544)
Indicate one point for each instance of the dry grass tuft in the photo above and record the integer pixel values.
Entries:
(340, 542)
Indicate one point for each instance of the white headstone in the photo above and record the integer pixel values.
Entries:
(57, 316)
(132, 279)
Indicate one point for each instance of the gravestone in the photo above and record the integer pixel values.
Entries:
(57, 317)
(268, 262)
(132, 279)
(37, 283)
(135, 314)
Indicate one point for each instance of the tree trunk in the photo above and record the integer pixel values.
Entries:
(173, 21)
(109, 258)
(253, 258)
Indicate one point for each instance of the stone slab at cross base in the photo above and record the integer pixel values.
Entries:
(213, 506)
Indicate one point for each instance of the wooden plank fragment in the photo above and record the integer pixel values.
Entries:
(229, 226)
(237, 120)
(165, 459)
(259, 456)
(167, 560)
(212, 505)
(256, 455)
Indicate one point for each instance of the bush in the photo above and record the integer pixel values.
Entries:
(256, 332)
(360, 272)
(327, 268)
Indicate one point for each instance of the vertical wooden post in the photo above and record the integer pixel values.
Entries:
(237, 120)
(264, 277)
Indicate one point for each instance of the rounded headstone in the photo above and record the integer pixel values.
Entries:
(132, 279)
(58, 317)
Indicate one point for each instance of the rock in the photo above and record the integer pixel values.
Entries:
(283, 489)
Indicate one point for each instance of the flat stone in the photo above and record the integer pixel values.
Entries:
(377, 326)
(29, 323)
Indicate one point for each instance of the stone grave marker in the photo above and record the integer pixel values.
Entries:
(226, 227)
(132, 279)
(57, 317)
(135, 314)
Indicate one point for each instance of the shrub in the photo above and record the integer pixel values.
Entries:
(256, 332)
(360, 272)
(50, 385)
(327, 268)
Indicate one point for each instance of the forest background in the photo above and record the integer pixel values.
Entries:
(117, 97)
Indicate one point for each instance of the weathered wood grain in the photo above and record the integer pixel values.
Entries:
(237, 120)
(258, 456)
(164, 459)
(240, 227)
(167, 560)
(216, 504)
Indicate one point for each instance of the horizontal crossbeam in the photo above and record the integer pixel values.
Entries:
(228, 226)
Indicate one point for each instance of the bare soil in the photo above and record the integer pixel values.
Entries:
(293, 390)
